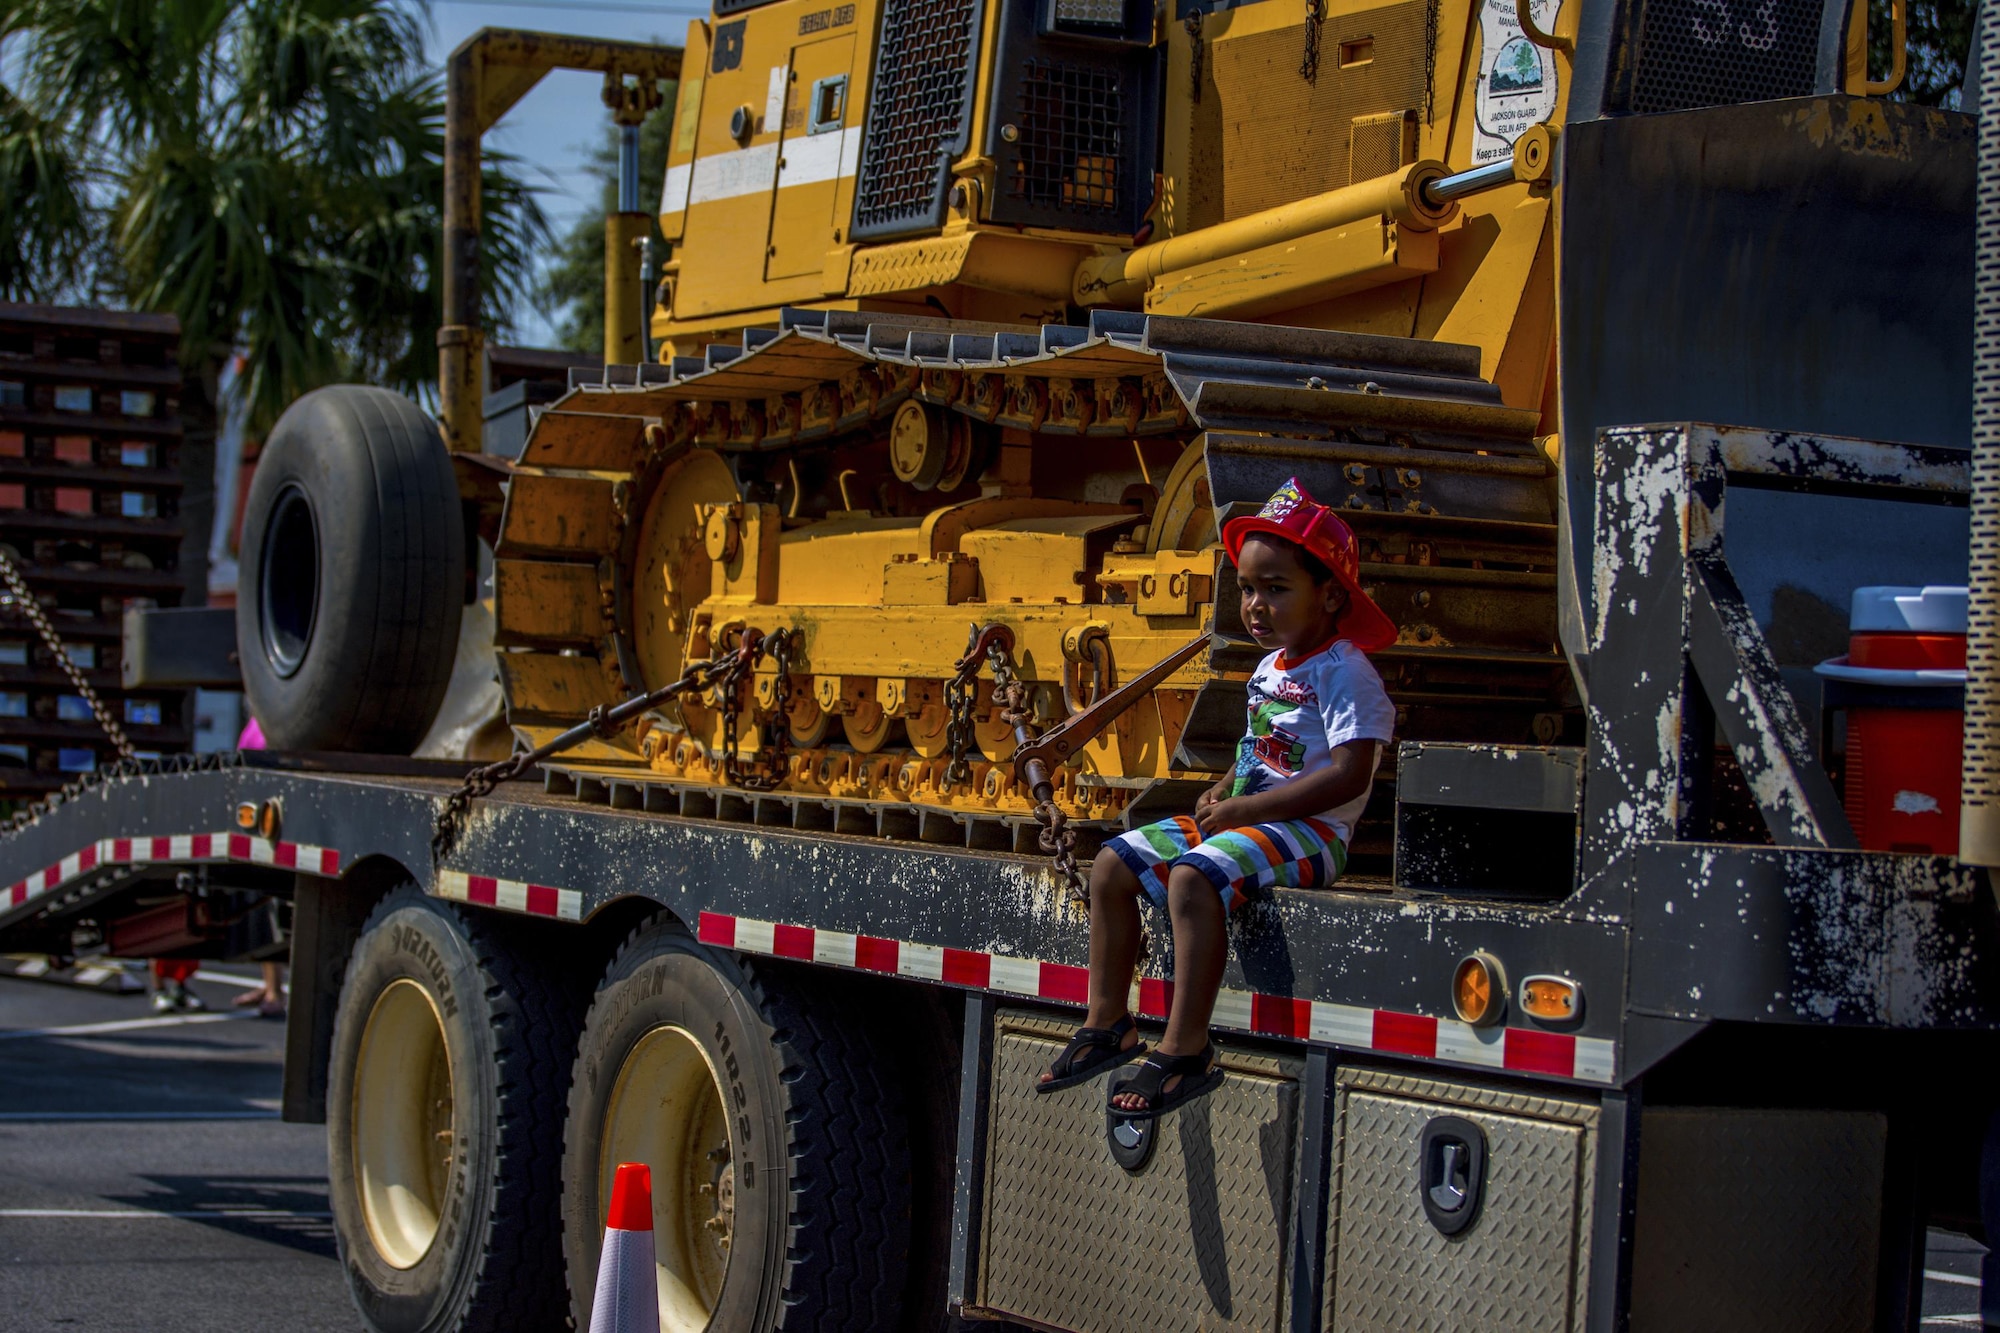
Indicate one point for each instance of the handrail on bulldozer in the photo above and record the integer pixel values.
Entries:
(488, 73)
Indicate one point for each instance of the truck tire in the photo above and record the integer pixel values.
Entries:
(353, 568)
(780, 1154)
(445, 1035)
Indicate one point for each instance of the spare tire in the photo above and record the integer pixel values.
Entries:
(352, 574)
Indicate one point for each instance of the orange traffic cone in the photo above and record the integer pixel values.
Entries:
(627, 1299)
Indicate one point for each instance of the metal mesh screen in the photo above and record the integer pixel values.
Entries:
(1068, 118)
(918, 113)
(1693, 53)
(1979, 829)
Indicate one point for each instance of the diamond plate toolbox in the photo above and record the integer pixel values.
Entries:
(1200, 1239)
(1522, 1265)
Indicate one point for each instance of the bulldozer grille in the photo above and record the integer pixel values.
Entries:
(919, 115)
(1068, 118)
(1072, 126)
(1682, 54)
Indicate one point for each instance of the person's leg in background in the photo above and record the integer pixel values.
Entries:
(170, 985)
(269, 998)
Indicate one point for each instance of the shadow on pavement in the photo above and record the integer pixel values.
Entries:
(283, 1210)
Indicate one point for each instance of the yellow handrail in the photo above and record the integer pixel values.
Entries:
(1857, 50)
(1524, 14)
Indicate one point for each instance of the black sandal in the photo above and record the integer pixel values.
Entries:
(1199, 1075)
(1069, 1071)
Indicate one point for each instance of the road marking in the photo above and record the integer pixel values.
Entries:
(141, 1117)
(1952, 1321)
(1956, 1279)
(123, 1025)
(200, 1215)
(229, 978)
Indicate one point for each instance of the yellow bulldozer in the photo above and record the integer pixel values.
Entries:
(977, 320)
(957, 330)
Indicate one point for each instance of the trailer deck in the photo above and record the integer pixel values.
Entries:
(1879, 940)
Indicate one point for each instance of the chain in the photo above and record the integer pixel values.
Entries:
(603, 723)
(959, 694)
(1193, 25)
(1309, 63)
(728, 694)
(1058, 839)
(778, 736)
(21, 597)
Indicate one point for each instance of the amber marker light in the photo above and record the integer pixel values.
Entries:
(246, 815)
(1479, 990)
(268, 820)
(1552, 999)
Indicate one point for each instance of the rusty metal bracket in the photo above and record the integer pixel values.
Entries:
(1035, 762)
(1673, 627)
(1759, 718)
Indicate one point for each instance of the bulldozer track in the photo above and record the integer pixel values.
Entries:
(1445, 485)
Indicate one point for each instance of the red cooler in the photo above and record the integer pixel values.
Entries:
(1902, 685)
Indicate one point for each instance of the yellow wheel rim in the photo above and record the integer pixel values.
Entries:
(867, 731)
(666, 1110)
(930, 730)
(993, 736)
(403, 1137)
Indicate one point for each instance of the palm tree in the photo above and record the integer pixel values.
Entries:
(270, 171)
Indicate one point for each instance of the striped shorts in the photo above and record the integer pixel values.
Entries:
(1294, 854)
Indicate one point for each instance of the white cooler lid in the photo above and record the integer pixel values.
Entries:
(1933, 610)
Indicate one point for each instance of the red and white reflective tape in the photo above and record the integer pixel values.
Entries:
(181, 847)
(1519, 1050)
(510, 895)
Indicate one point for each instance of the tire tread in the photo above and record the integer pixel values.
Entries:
(846, 1246)
(514, 1278)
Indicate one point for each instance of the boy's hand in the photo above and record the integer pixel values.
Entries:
(1221, 816)
(1209, 796)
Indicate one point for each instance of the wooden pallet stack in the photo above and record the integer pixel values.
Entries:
(90, 487)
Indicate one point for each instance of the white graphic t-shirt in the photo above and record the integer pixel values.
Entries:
(1301, 711)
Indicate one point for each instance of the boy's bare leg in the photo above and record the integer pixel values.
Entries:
(1201, 950)
(1114, 943)
(1114, 938)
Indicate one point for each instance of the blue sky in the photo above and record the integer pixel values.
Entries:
(551, 129)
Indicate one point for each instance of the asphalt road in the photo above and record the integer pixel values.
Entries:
(146, 1183)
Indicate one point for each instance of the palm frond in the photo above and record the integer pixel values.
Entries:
(270, 171)
(44, 210)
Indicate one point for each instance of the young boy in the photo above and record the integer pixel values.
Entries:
(1282, 819)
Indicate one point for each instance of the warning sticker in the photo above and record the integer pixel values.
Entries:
(1518, 84)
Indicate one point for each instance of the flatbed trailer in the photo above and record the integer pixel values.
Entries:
(1761, 1106)
(1612, 1028)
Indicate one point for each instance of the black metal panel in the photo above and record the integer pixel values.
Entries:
(919, 115)
(1614, 1212)
(168, 646)
(1801, 265)
(1316, 1117)
(968, 1204)
(1792, 935)
(1074, 128)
